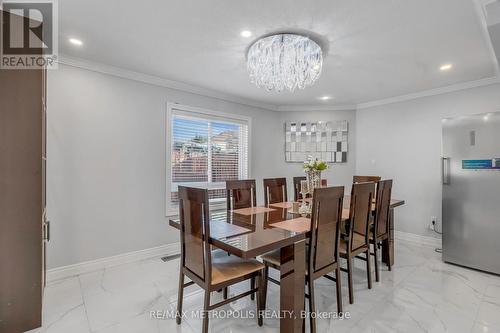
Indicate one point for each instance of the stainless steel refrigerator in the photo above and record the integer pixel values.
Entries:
(471, 191)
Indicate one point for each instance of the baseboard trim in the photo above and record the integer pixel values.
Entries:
(101, 263)
(421, 240)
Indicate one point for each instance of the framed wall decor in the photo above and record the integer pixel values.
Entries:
(325, 140)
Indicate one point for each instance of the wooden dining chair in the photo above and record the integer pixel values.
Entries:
(241, 194)
(210, 272)
(380, 229)
(275, 191)
(356, 240)
(297, 196)
(324, 237)
(365, 179)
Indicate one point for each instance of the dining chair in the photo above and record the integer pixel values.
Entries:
(356, 239)
(324, 237)
(275, 191)
(380, 229)
(204, 267)
(241, 194)
(296, 188)
(365, 179)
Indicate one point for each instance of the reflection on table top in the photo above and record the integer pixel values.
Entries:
(250, 233)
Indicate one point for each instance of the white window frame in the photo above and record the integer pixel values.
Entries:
(171, 210)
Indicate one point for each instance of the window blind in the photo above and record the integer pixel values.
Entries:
(206, 151)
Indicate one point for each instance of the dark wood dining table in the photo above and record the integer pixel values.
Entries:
(251, 232)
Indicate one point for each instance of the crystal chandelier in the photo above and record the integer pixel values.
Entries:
(284, 61)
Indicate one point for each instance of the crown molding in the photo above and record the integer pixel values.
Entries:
(158, 81)
(431, 92)
(285, 108)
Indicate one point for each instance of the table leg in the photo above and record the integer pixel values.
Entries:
(388, 244)
(292, 287)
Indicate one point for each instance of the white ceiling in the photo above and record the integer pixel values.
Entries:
(373, 49)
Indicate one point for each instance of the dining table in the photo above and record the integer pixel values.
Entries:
(254, 231)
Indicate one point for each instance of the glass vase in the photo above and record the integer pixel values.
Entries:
(313, 179)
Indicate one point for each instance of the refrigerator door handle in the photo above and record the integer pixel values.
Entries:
(445, 169)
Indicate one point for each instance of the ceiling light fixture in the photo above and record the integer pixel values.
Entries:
(487, 117)
(446, 67)
(75, 41)
(246, 33)
(284, 61)
(325, 98)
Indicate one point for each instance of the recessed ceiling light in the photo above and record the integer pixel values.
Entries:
(246, 33)
(486, 117)
(75, 41)
(325, 98)
(446, 67)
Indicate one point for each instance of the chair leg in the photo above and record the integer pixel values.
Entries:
(339, 290)
(225, 292)
(312, 306)
(252, 286)
(369, 268)
(260, 282)
(375, 252)
(180, 296)
(264, 286)
(349, 280)
(205, 311)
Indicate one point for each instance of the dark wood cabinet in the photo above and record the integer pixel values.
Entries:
(22, 198)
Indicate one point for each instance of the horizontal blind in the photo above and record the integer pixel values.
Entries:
(206, 151)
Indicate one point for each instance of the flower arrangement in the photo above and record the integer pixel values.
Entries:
(314, 164)
(313, 168)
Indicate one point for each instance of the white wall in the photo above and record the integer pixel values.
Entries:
(402, 141)
(337, 174)
(106, 162)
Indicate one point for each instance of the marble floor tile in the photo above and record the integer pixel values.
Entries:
(112, 307)
(420, 294)
(60, 299)
(482, 328)
(489, 310)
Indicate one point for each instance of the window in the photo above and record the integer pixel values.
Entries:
(204, 149)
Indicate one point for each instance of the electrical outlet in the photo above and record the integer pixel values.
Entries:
(432, 226)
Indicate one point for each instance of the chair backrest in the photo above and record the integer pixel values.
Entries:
(326, 218)
(360, 214)
(241, 194)
(195, 232)
(365, 179)
(275, 190)
(296, 187)
(382, 207)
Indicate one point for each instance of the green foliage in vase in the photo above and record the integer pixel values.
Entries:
(315, 164)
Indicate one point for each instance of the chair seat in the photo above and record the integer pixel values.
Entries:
(274, 258)
(358, 241)
(226, 268)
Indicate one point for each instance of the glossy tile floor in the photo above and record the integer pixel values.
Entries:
(421, 294)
